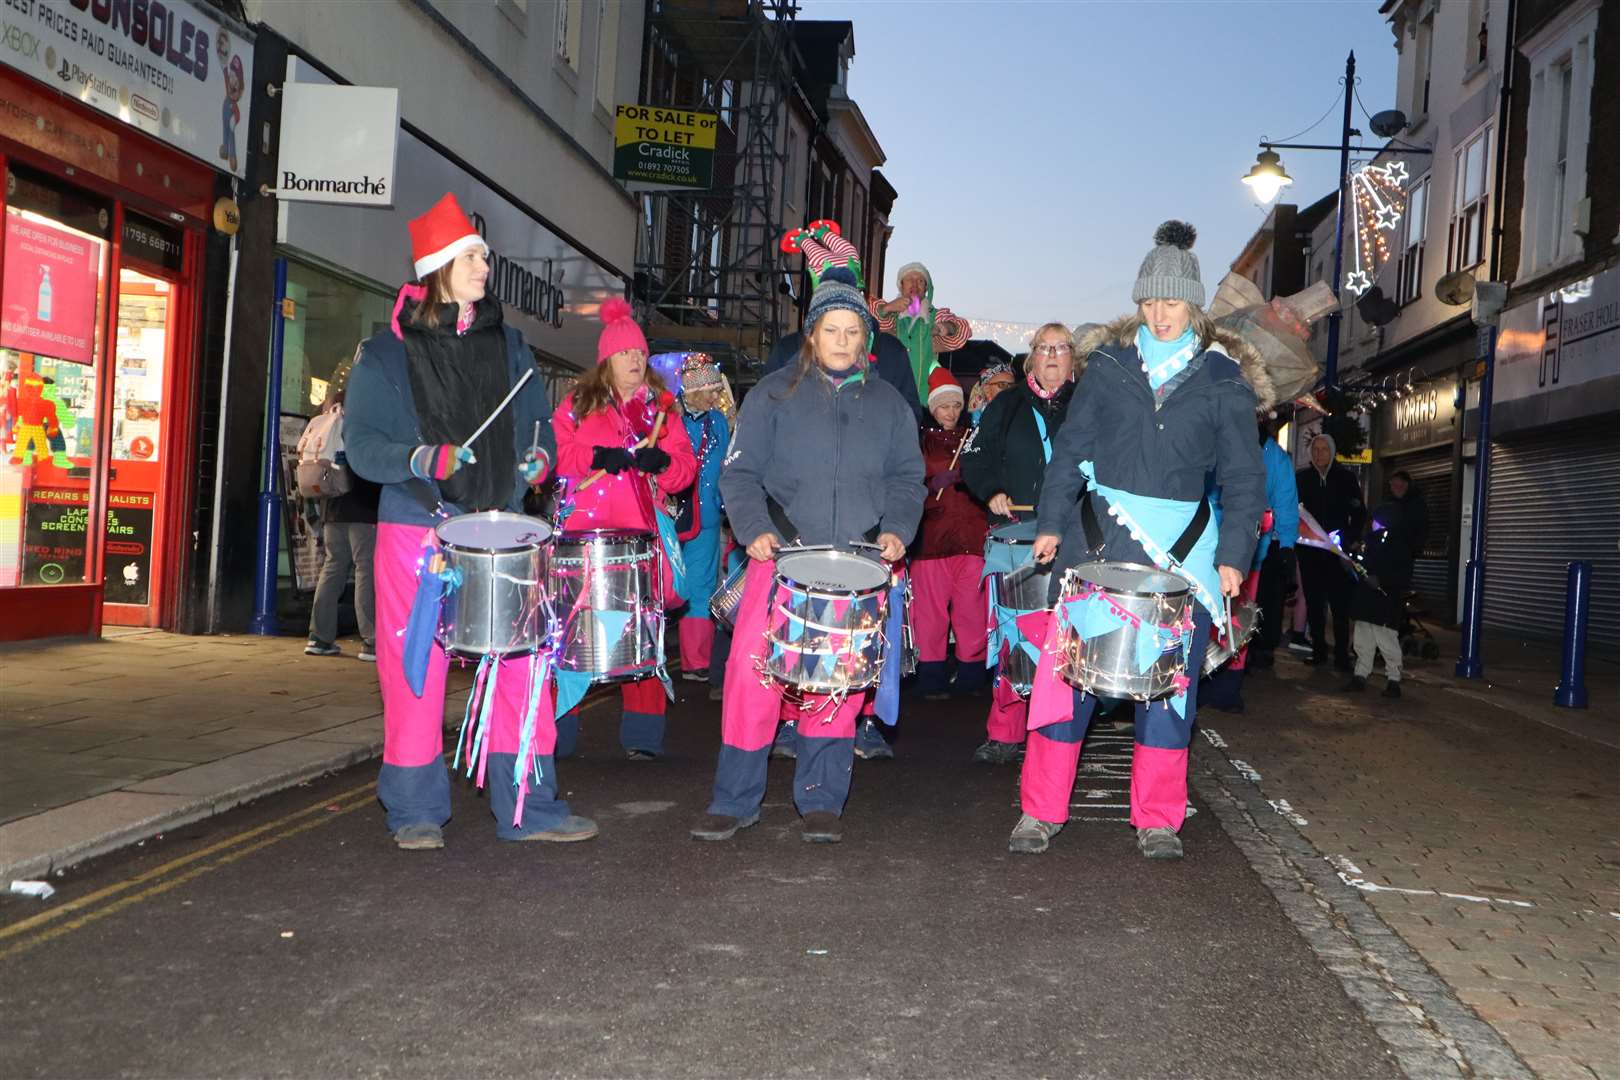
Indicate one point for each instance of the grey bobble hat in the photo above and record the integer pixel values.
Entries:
(838, 292)
(1170, 271)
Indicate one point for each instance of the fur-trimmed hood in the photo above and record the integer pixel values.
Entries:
(1121, 333)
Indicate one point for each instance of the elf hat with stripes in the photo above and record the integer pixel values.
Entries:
(441, 234)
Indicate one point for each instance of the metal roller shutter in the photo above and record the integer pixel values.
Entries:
(1431, 572)
(1554, 498)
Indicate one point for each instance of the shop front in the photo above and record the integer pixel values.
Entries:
(1417, 433)
(108, 195)
(1555, 461)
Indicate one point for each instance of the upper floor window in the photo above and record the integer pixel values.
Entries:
(1425, 67)
(1470, 201)
(570, 13)
(1414, 232)
(607, 53)
(1557, 136)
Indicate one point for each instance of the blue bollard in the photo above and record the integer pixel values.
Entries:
(1571, 692)
(267, 556)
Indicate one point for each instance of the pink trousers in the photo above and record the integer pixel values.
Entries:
(413, 727)
(697, 642)
(1158, 782)
(948, 595)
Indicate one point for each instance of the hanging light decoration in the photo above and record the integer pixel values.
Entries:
(1378, 195)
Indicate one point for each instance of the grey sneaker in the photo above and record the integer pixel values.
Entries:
(569, 830)
(997, 753)
(1158, 843)
(368, 651)
(721, 827)
(1031, 835)
(317, 647)
(785, 745)
(870, 745)
(423, 837)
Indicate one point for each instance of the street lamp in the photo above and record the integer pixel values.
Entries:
(1267, 177)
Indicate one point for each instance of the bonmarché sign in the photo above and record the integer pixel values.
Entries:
(166, 67)
(338, 144)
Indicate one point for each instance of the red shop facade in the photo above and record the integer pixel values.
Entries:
(104, 259)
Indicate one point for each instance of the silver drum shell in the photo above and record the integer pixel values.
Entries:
(1027, 593)
(727, 599)
(800, 663)
(499, 608)
(1246, 621)
(607, 570)
(1105, 666)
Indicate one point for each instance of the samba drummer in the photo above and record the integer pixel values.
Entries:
(1004, 464)
(825, 454)
(620, 443)
(417, 392)
(1167, 403)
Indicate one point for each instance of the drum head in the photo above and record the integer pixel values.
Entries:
(1132, 579)
(493, 531)
(1014, 532)
(833, 571)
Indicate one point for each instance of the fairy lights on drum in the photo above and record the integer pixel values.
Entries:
(1379, 194)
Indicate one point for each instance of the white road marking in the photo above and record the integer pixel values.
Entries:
(1282, 807)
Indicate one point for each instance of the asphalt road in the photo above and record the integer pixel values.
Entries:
(290, 938)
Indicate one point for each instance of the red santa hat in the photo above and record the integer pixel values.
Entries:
(941, 385)
(441, 234)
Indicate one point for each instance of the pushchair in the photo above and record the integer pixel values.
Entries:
(1416, 639)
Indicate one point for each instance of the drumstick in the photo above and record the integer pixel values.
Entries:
(951, 466)
(490, 419)
(648, 441)
(1020, 506)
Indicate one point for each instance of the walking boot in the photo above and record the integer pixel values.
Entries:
(1031, 836)
(996, 753)
(1158, 843)
(1393, 690)
(933, 680)
(569, 830)
(822, 827)
(420, 837)
(722, 827)
(870, 745)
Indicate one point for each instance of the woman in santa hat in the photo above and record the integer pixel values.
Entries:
(417, 392)
(607, 426)
(825, 454)
(947, 561)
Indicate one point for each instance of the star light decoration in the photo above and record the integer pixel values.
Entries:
(1379, 192)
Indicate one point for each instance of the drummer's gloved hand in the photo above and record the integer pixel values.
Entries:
(430, 462)
(612, 459)
(946, 479)
(535, 466)
(651, 460)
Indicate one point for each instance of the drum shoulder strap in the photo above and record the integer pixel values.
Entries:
(1178, 551)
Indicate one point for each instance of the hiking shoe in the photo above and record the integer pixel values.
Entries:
(695, 675)
(640, 755)
(1158, 843)
(569, 830)
(368, 651)
(992, 752)
(1031, 835)
(421, 837)
(870, 745)
(822, 827)
(1393, 690)
(317, 647)
(1355, 686)
(785, 745)
(722, 827)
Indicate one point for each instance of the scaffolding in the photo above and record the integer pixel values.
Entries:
(708, 273)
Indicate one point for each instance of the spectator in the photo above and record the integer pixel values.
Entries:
(1332, 495)
(349, 538)
(1378, 607)
(1276, 552)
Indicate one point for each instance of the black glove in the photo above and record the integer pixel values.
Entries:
(651, 460)
(611, 459)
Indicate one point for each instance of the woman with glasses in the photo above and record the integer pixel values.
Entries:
(1003, 466)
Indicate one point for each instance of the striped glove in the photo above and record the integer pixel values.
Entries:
(535, 466)
(438, 462)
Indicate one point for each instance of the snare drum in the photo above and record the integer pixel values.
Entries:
(1245, 624)
(605, 590)
(498, 606)
(1128, 641)
(727, 599)
(825, 631)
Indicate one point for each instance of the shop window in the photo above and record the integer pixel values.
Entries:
(1470, 202)
(52, 303)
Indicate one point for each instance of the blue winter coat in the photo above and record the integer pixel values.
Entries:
(380, 427)
(1168, 450)
(1282, 495)
(713, 450)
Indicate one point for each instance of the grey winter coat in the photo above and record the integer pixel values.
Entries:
(1202, 432)
(839, 461)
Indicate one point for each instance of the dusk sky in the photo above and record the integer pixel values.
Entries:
(1036, 146)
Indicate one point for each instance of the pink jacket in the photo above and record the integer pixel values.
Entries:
(623, 501)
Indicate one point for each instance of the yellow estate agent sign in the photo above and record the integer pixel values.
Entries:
(670, 147)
